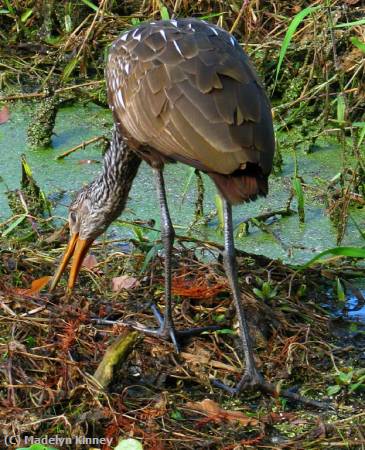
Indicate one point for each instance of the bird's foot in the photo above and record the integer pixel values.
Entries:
(253, 380)
(167, 331)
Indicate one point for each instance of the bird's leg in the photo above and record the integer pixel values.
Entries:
(167, 236)
(251, 378)
(167, 328)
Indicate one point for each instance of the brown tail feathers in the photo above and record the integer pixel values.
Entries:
(242, 185)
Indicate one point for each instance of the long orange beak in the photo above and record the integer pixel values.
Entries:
(76, 248)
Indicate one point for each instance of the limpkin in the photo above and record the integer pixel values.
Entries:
(180, 90)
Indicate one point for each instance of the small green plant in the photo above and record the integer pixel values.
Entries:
(176, 414)
(349, 379)
(266, 292)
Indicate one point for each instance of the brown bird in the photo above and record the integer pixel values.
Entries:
(180, 90)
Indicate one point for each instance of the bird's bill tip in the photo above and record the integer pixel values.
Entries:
(82, 247)
(76, 248)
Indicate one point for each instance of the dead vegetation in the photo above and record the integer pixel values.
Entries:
(50, 347)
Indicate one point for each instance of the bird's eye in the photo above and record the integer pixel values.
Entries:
(73, 216)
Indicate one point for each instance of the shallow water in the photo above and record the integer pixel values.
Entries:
(289, 241)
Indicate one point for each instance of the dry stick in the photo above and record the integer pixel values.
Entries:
(100, 11)
(82, 145)
(240, 14)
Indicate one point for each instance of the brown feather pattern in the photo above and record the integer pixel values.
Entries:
(184, 90)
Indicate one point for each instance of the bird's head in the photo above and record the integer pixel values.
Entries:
(88, 218)
(97, 205)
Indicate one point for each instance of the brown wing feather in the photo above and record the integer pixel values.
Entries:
(186, 89)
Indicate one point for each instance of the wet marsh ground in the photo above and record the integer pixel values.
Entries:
(308, 323)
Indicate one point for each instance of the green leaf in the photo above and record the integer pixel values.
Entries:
(219, 205)
(26, 14)
(210, 16)
(68, 23)
(332, 390)
(129, 444)
(176, 415)
(345, 377)
(13, 225)
(31, 341)
(150, 255)
(341, 108)
(9, 6)
(135, 21)
(352, 252)
(70, 67)
(355, 23)
(289, 34)
(341, 297)
(187, 183)
(298, 190)
(90, 5)
(362, 132)
(226, 331)
(360, 383)
(357, 43)
(138, 232)
(164, 13)
(259, 293)
(4, 11)
(219, 318)
(53, 40)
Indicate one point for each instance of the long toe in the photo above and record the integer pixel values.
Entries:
(168, 333)
(253, 380)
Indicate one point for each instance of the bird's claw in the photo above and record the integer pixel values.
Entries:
(253, 380)
(167, 331)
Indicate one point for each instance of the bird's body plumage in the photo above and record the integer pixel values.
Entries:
(184, 90)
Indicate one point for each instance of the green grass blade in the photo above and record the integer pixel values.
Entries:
(289, 34)
(187, 183)
(90, 5)
(341, 108)
(219, 205)
(13, 225)
(164, 12)
(9, 6)
(355, 23)
(26, 14)
(211, 16)
(298, 190)
(351, 252)
(70, 67)
(362, 132)
(357, 43)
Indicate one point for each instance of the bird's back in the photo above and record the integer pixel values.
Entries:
(185, 89)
